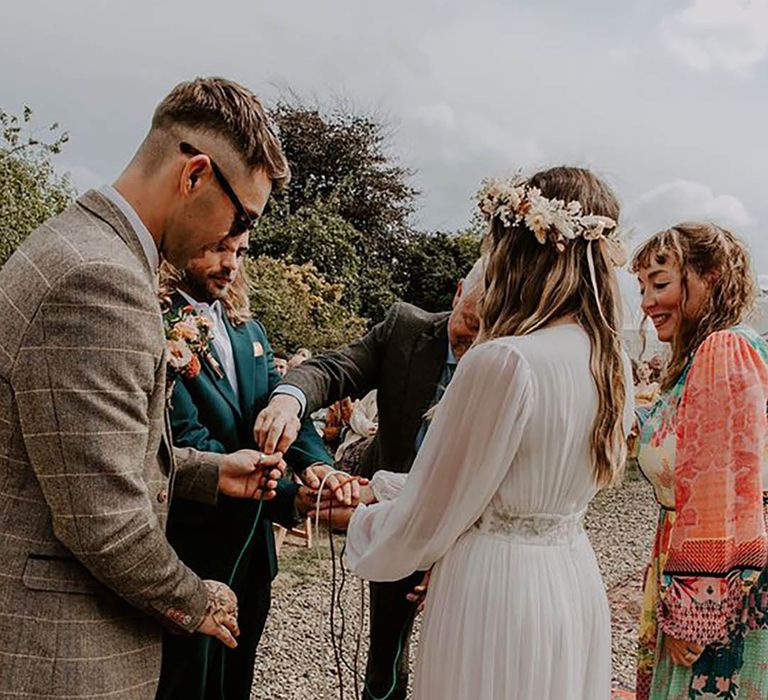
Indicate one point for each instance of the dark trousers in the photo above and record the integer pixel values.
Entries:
(392, 619)
(192, 666)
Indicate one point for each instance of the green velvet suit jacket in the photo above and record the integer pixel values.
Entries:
(207, 415)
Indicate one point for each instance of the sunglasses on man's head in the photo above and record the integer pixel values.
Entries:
(243, 221)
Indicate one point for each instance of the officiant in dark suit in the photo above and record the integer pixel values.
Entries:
(410, 358)
(215, 411)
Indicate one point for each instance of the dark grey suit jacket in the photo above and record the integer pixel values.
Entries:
(403, 358)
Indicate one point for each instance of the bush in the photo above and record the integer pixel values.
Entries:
(30, 190)
(298, 307)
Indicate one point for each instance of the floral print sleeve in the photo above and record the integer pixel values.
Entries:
(718, 543)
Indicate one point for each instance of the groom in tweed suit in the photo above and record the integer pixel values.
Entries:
(87, 576)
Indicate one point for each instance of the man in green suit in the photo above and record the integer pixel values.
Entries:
(215, 412)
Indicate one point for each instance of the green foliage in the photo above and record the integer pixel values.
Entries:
(30, 190)
(434, 263)
(342, 168)
(298, 307)
(317, 235)
(343, 156)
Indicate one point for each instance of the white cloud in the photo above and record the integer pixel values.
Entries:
(435, 116)
(682, 200)
(728, 34)
(82, 177)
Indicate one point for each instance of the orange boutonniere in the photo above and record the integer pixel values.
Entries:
(188, 337)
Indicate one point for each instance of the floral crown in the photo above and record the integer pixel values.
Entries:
(512, 201)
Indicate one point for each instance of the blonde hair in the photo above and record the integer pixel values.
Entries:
(703, 248)
(529, 285)
(235, 301)
(227, 109)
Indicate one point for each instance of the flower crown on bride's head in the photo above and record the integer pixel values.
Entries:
(513, 201)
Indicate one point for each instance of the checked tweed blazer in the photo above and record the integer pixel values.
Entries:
(86, 573)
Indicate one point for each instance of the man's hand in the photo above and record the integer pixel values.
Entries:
(346, 489)
(278, 425)
(250, 474)
(306, 501)
(220, 619)
(419, 593)
(683, 653)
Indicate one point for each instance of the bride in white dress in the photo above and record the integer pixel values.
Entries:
(531, 426)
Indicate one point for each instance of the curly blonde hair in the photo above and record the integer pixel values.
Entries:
(528, 285)
(707, 250)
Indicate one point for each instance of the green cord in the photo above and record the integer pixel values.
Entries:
(207, 640)
(393, 687)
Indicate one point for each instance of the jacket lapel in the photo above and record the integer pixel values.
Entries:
(426, 367)
(221, 384)
(102, 208)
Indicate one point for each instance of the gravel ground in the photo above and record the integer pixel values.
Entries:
(296, 659)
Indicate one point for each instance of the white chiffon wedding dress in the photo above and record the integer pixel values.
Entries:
(516, 608)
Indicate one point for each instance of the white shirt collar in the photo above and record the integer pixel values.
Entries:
(215, 308)
(145, 237)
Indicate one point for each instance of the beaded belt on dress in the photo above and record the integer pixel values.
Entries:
(533, 528)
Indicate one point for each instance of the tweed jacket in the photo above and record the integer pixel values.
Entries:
(86, 572)
(403, 357)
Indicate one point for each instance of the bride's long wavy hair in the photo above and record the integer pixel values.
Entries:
(529, 285)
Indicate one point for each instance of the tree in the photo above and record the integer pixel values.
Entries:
(343, 156)
(30, 189)
(318, 235)
(342, 168)
(434, 264)
(298, 307)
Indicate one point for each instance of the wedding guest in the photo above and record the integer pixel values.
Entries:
(646, 391)
(704, 448)
(336, 421)
(363, 426)
(301, 355)
(214, 411)
(88, 577)
(281, 364)
(410, 357)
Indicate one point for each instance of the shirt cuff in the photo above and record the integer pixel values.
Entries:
(297, 394)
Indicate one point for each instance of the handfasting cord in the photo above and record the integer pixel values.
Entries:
(337, 644)
(231, 581)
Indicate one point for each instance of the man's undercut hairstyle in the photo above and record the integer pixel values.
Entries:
(229, 110)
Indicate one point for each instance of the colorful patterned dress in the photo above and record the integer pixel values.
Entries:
(704, 448)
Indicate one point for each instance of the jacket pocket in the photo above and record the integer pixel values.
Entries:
(56, 574)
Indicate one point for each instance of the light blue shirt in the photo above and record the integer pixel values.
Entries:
(221, 341)
(145, 237)
(449, 368)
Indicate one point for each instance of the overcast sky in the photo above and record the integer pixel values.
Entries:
(666, 98)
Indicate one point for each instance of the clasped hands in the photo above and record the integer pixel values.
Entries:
(340, 495)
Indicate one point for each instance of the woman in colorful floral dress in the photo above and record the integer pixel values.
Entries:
(704, 625)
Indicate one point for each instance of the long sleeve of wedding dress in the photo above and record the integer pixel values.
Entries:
(466, 454)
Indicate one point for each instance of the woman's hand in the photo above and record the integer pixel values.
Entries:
(683, 653)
